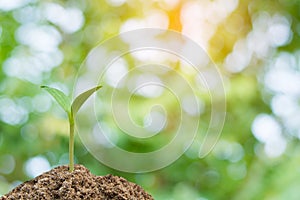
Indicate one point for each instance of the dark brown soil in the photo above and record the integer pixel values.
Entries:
(59, 183)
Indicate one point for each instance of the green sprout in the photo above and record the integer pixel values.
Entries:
(71, 108)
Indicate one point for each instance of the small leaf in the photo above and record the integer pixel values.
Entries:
(60, 98)
(79, 100)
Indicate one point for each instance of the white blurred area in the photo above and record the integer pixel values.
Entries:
(268, 33)
(36, 166)
(268, 131)
(200, 19)
(153, 19)
(39, 37)
(7, 5)
(281, 80)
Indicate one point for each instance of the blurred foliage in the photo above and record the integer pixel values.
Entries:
(257, 155)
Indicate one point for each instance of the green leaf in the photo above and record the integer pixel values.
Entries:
(79, 100)
(60, 98)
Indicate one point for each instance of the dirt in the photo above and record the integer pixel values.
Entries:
(59, 183)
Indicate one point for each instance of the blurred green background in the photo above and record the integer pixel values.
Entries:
(254, 43)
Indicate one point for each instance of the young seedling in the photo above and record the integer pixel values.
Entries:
(71, 108)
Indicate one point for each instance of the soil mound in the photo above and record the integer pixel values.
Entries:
(59, 183)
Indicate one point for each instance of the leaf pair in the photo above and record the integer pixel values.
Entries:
(65, 102)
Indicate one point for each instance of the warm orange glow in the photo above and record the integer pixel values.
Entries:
(174, 18)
